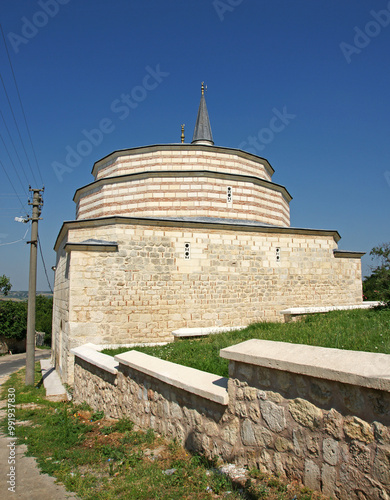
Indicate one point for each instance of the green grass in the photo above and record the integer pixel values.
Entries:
(102, 459)
(359, 330)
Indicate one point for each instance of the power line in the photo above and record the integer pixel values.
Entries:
(20, 102)
(13, 144)
(9, 194)
(13, 164)
(17, 127)
(44, 265)
(17, 241)
(13, 187)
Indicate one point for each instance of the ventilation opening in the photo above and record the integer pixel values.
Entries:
(277, 254)
(229, 194)
(187, 251)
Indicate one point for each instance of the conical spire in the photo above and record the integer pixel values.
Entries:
(202, 132)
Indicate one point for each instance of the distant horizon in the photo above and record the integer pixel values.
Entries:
(26, 291)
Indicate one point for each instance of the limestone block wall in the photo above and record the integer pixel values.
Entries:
(182, 157)
(148, 288)
(328, 428)
(191, 196)
(61, 307)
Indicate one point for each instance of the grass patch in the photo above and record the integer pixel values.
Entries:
(102, 459)
(358, 330)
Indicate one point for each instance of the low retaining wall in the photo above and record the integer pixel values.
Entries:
(293, 313)
(14, 346)
(318, 415)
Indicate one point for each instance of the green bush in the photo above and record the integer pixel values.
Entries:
(13, 319)
(377, 285)
(43, 316)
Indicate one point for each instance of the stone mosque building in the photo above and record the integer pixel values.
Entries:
(187, 236)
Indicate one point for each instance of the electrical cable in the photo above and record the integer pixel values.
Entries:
(17, 241)
(13, 164)
(20, 102)
(44, 265)
(17, 127)
(13, 187)
(13, 144)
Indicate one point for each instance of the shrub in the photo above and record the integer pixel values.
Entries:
(43, 316)
(377, 285)
(13, 319)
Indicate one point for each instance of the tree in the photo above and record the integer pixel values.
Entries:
(5, 284)
(377, 285)
(13, 319)
(43, 318)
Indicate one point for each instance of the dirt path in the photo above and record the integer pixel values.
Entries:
(30, 484)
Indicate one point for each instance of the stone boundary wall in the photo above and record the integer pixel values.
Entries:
(317, 415)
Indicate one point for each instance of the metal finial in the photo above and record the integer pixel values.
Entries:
(202, 88)
(182, 133)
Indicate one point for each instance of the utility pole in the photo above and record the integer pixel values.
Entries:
(32, 285)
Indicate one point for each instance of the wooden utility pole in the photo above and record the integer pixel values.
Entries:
(32, 285)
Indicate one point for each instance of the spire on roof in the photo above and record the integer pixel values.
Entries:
(202, 132)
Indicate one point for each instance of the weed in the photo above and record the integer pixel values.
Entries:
(220, 483)
(84, 407)
(174, 446)
(98, 415)
(124, 425)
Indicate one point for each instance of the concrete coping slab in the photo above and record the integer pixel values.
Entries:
(51, 382)
(365, 369)
(321, 309)
(198, 332)
(101, 347)
(91, 355)
(203, 384)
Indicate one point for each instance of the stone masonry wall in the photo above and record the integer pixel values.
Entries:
(332, 437)
(60, 331)
(148, 289)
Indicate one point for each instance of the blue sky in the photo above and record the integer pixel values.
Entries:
(322, 64)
